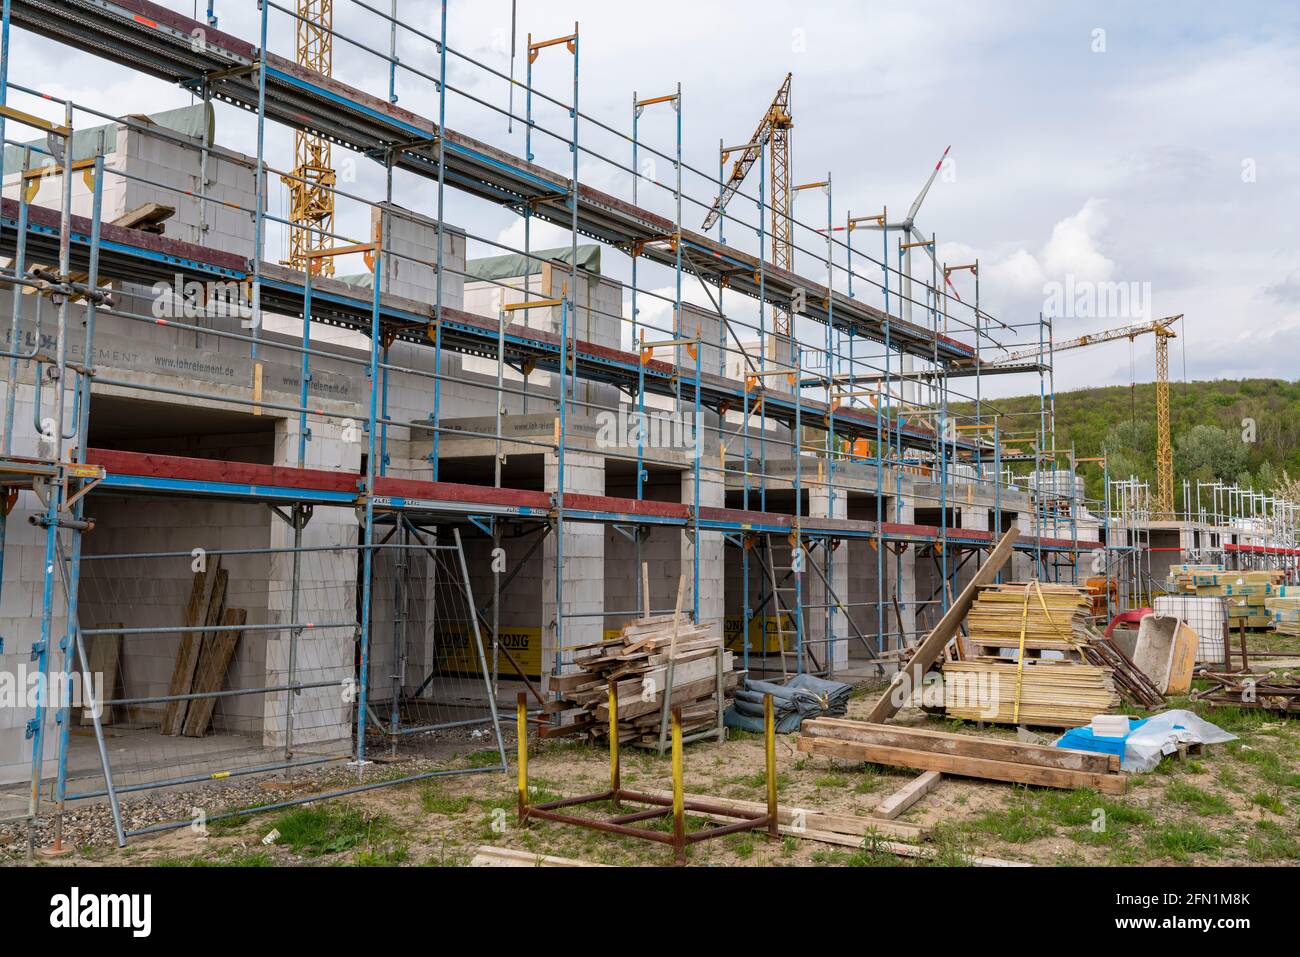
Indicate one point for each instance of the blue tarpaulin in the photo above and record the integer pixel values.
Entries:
(1082, 739)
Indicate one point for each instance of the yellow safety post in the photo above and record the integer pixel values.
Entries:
(521, 732)
(679, 797)
(769, 735)
(613, 741)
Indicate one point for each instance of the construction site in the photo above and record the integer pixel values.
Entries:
(685, 503)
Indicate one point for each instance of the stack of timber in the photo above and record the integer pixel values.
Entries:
(206, 649)
(1246, 593)
(1284, 610)
(962, 755)
(638, 660)
(1009, 680)
(1053, 617)
(1044, 693)
(1273, 691)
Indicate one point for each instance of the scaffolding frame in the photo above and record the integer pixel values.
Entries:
(874, 437)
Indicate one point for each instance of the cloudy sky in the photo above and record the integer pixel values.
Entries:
(1152, 145)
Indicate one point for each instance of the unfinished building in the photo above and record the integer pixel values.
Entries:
(403, 487)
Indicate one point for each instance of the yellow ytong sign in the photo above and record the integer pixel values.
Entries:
(764, 638)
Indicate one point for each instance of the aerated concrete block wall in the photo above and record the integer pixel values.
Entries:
(583, 570)
(21, 605)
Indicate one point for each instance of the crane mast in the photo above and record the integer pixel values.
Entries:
(773, 133)
(1163, 331)
(311, 195)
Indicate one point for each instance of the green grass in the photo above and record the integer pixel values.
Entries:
(742, 844)
(756, 781)
(434, 800)
(1272, 767)
(237, 858)
(1180, 841)
(483, 759)
(1269, 801)
(388, 856)
(330, 829)
(1085, 815)
(1198, 799)
(1271, 842)
(1229, 778)
(1234, 719)
(832, 781)
(1016, 825)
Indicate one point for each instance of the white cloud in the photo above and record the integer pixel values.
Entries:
(1072, 249)
(1017, 274)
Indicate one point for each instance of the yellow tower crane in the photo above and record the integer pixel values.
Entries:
(311, 195)
(774, 133)
(1162, 329)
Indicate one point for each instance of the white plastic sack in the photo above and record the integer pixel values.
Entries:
(1161, 735)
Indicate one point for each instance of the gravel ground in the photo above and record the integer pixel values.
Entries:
(89, 824)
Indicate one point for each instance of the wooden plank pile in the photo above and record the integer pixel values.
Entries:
(1045, 692)
(962, 755)
(1054, 617)
(1009, 681)
(638, 660)
(204, 656)
(908, 679)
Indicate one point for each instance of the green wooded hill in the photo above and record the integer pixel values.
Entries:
(1245, 430)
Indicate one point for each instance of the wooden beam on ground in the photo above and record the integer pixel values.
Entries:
(902, 799)
(846, 831)
(908, 679)
(893, 847)
(961, 745)
(961, 765)
(488, 856)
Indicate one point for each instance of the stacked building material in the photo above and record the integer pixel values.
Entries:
(1244, 592)
(1055, 617)
(1046, 692)
(1028, 664)
(1284, 610)
(1182, 578)
(638, 660)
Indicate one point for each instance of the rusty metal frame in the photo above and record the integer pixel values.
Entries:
(659, 806)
